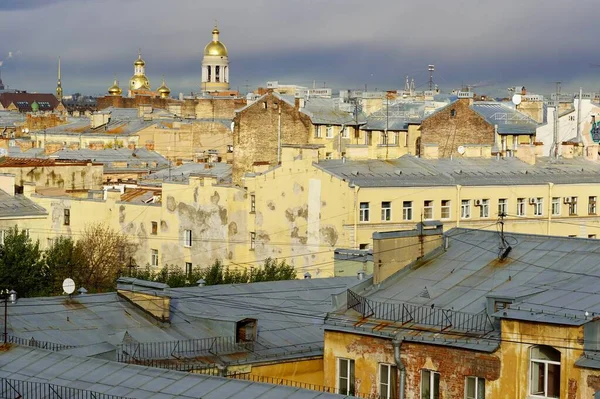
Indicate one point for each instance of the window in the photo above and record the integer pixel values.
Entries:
(445, 209)
(520, 206)
(393, 138)
(329, 132)
(154, 257)
(572, 206)
(386, 211)
(364, 212)
(252, 203)
(154, 228)
(2, 235)
(346, 376)
(387, 381)
(383, 138)
(592, 205)
(428, 210)
(474, 388)
(67, 218)
(252, 241)
(345, 132)
(452, 113)
(538, 206)
(363, 246)
(499, 305)
(465, 209)
(328, 155)
(406, 210)
(318, 131)
(430, 384)
(368, 138)
(555, 206)
(484, 208)
(591, 235)
(187, 238)
(188, 268)
(571, 118)
(264, 104)
(545, 372)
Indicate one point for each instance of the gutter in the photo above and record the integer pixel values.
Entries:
(397, 343)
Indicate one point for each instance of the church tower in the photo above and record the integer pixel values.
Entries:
(215, 65)
(139, 81)
(59, 90)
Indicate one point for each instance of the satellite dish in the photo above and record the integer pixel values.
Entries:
(69, 286)
(516, 99)
(461, 149)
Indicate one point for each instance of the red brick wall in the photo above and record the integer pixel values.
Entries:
(448, 132)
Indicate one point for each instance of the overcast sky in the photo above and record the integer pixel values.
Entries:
(339, 43)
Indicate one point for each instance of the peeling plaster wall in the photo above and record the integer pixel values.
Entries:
(68, 177)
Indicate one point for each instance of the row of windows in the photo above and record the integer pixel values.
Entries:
(391, 138)
(544, 378)
(483, 206)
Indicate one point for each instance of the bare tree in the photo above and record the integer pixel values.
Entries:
(104, 253)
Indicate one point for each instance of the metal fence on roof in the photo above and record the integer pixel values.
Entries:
(187, 349)
(421, 315)
(51, 346)
(10, 388)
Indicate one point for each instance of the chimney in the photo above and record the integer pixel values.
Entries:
(131, 145)
(150, 145)
(7, 183)
(28, 189)
(395, 250)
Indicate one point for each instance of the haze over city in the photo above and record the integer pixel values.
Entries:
(340, 44)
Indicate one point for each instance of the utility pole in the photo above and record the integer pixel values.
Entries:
(556, 105)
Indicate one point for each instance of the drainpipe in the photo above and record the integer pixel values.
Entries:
(356, 188)
(279, 136)
(399, 365)
(550, 186)
(458, 205)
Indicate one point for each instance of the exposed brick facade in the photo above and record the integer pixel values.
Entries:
(256, 130)
(133, 102)
(217, 108)
(449, 132)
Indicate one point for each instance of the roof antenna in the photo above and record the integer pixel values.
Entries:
(504, 249)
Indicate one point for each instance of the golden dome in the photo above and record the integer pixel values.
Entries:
(139, 82)
(215, 48)
(115, 90)
(163, 90)
(139, 61)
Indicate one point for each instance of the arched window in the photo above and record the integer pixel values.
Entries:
(217, 73)
(209, 74)
(544, 372)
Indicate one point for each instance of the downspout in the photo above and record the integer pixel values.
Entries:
(550, 186)
(340, 139)
(356, 188)
(399, 365)
(458, 205)
(279, 137)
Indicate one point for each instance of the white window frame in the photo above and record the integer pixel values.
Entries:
(484, 208)
(387, 390)
(465, 209)
(252, 203)
(154, 257)
(431, 376)
(383, 138)
(252, 241)
(545, 363)
(318, 133)
(556, 206)
(592, 205)
(363, 212)
(188, 268)
(476, 382)
(407, 210)
(447, 208)
(502, 206)
(345, 132)
(538, 206)
(521, 208)
(329, 132)
(573, 206)
(349, 387)
(428, 210)
(187, 238)
(386, 211)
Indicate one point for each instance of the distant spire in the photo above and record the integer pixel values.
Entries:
(406, 85)
(59, 90)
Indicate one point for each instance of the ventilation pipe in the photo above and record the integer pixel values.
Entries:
(397, 343)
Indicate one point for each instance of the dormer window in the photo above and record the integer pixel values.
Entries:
(245, 330)
(452, 113)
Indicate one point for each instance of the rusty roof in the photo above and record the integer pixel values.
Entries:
(10, 162)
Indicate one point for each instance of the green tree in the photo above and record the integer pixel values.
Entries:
(62, 260)
(273, 271)
(21, 265)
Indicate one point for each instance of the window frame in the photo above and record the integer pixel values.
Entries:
(484, 208)
(465, 209)
(350, 385)
(386, 211)
(252, 241)
(592, 205)
(521, 207)
(188, 268)
(318, 133)
(252, 203)
(66, 217)
(476, 381)
(573, 206)
(545, 362)
(538, 206)
(329, 132)
(154, 260)
(432, 384)
(502, 206)
(391, 373)
(556, 202)
(363, 212)
(407, 211)
(153, 228)
(187, 238)
(428, 211)
(447, 207)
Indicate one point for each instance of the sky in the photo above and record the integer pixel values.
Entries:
(335, 43)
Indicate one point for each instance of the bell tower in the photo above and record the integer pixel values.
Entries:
(215, 65)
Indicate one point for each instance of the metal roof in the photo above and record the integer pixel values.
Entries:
(409, 171)
(325, 111)
(396, 116)
(222, 171)
(509, 120)
(551, 280)
(139, 158)
(102, 376)
(18, 206)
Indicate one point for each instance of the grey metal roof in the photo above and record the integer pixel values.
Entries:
(325, 111)
(356, 255)
(222, 171)
(290, 316)
(123, 122)
(138, 158)
(409, 171)
(509, 120)
(102, 376)
(18, 206)
(396, 117)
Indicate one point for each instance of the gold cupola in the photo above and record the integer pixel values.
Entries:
(115, 90)
(215, 48)
(163, 90)
(139, 81)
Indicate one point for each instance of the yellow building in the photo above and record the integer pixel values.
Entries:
(470, 314)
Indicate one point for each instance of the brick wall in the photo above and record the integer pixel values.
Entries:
(255, 135)
(448, 132)
(133, 102)
(218, 108)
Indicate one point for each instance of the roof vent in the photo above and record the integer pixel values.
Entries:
(82, 291)
(355, 172)
(307, 275)
(360, 275)
(398, 172)
(201, 282)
